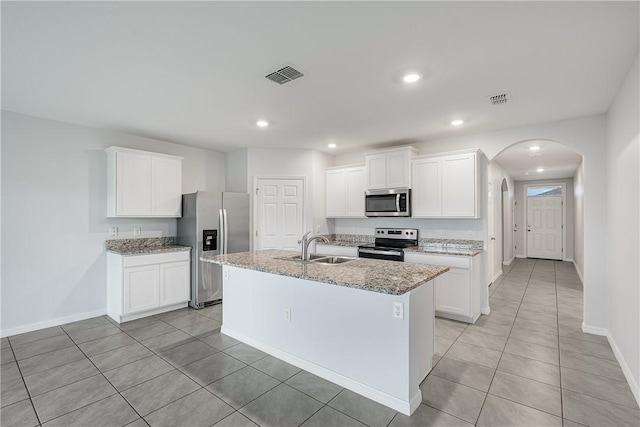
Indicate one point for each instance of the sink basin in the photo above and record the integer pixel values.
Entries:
(320, 259)
(297, 258)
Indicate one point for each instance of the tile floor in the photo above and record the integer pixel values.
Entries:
(527, 363)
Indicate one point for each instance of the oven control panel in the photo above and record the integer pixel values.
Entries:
(396, 233)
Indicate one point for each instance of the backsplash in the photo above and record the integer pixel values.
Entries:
(359, 239)
(142, 242)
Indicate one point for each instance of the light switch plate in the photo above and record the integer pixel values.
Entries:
(137, 231)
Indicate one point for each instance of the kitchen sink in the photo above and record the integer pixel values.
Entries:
(320, 259)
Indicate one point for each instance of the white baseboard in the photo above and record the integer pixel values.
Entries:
(508, 262)
(520, 256)
(498, 274)
(579, 272)
(399, 405)
(594, 330)
(49, 323)
(485, 310)
(625, 368)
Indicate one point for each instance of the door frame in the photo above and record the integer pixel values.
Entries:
(564, 216)
(254, 203)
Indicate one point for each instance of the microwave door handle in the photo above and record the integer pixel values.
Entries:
(397, 202)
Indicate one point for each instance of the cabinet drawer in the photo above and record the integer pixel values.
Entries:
(434, 259)
(136, 260)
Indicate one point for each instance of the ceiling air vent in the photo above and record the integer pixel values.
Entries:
(284, 75)
(500, 98)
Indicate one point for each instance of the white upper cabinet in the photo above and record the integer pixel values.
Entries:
(345, 188)
(446, 186)
(143, 184)
(389, 168)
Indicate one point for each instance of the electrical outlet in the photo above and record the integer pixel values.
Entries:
(317, 228)
(225, 272)
(113, 231)
(398, 310)
(287, 314)
(137, 231)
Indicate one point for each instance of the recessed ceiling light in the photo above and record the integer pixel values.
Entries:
(534, 148)
(262, 123)
(457, 122)
(526, 173)
(540, 170)
(411, 78)
(332, 145)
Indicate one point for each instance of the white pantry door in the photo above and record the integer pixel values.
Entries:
(280, 211)
(544, 227)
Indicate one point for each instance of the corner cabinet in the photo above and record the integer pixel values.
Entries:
(143, 184)
(389, 168)
(446, 186)
(143, 285)
(344, 192)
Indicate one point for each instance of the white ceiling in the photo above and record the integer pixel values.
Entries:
(193, 72)
(521, 163)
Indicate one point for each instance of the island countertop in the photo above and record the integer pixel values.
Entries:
(389, 277)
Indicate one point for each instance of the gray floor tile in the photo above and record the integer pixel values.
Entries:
(6, 355)
(475, 337)
(245, 353)
(174, 314)
(426, 416)
(469, 374)
(596, 412)
(158, 392)
(19, 414)
(453, 398)
(588, 348)
(201, 409)
(187, 353)
(167, 341)
(449, 329)
(219, 340)
(138, 323)
(547, 373)
(314, 386)
(212, 368)
(503, 306)
(109, 412)
(188, 318)
(535, 336)
(590, 364)
(362, 409)
(597, 386)
(242, 386)
(538, 316)
(9, 372)
(150, 331)
(527, 392)
(329, 417)
(36, 335)
(50, 360)
(532, 325)
(202, 327)
(282, 406)
(236, 420)
(42, 346)
(576, 333)
(494, 324)
(60, 376)
(276, 368)
(101, 345)
(12, 392)
(474, 354)
(569, 423)
(84, 335)
(140, 422)
(533, 351)
(137, 372)
(442, 346)
(4, 342)
(120, 356)
(63, 400)
(86, 324)
(213, 312)
(502, 412)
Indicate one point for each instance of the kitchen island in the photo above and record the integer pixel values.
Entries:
(367, 325)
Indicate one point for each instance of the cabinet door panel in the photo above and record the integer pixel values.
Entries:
(397, 167)
(335, 193)
(167, 186)
(356, 187)
(426, 188)
(141, 290)
(133, 185)
(459, 186)
(174, 282)
(377, 171)
(453, 293)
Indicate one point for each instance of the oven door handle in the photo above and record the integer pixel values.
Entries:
(378, 252)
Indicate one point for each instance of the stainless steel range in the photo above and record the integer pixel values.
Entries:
(389, 244)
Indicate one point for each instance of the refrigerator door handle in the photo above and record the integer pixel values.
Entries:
(226, 234)
(222, 231)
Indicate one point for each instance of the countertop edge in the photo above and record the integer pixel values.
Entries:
(424, 251)
(150, 251)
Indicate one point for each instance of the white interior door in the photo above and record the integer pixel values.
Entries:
(280, 212)
(544, 227)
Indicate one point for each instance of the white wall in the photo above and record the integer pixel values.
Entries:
(521, 225)
(578, 220)
(623, 231)
(236, 171)
(496, 175)
(54, 215)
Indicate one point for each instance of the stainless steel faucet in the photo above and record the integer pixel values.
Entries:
(305, 244)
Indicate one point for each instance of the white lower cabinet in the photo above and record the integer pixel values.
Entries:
(457, 290)
(143, 285)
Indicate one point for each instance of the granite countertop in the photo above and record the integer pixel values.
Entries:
(431, 246)
(444, 250)
(389, 277)
(144, 246)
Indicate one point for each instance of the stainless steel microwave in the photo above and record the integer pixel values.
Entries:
(388, 202)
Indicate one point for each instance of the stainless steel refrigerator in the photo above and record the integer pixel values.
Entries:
(212, 224)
